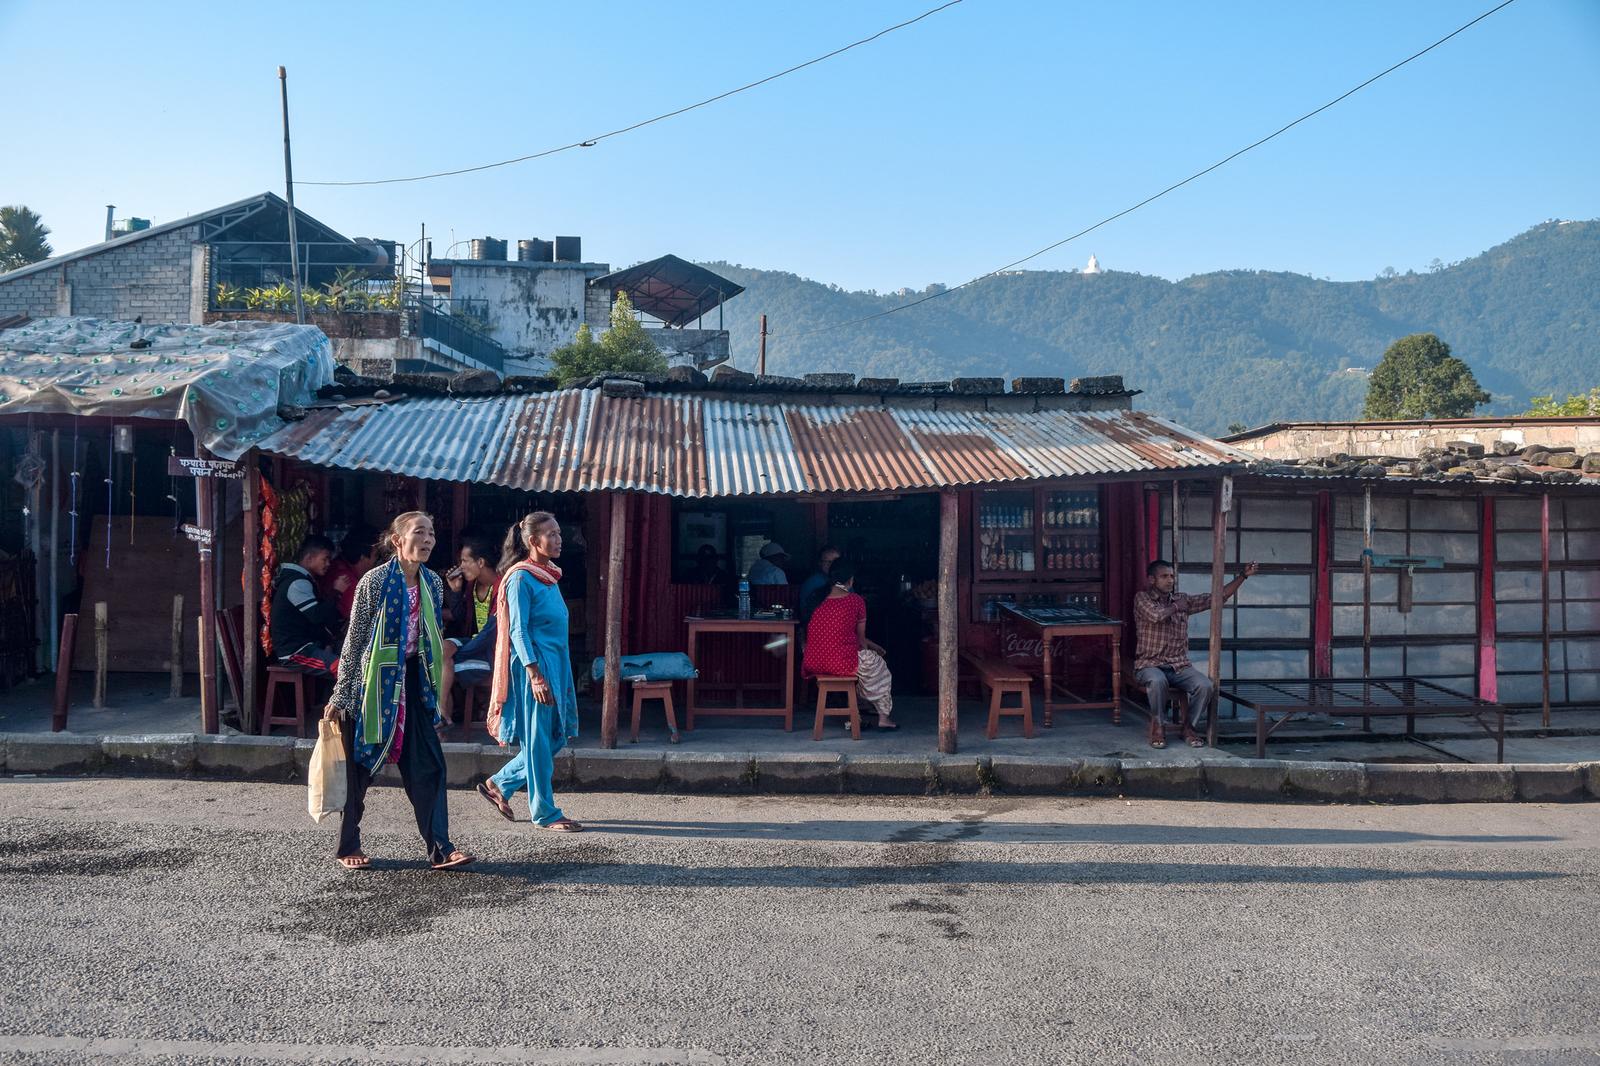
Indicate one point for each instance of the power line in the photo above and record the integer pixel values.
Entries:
(1151, 199)
(590, 142)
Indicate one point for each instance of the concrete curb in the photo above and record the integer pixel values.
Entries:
(241, 757)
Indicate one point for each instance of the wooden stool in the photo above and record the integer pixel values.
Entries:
(296, 680)
(654, 690)
(827, 686)
(469, 703)
(1002, 680)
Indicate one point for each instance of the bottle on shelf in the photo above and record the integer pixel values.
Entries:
(744, 597)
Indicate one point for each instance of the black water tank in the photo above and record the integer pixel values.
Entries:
(535, 251)
(488, 248)
(569, 249)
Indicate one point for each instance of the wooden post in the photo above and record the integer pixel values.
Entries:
(1544, 605)
(55, 541)
(175, 667)
(613, 682)
(949, 535)
(251, 637)
(1322, 604)
(1177, 524)
(101, 654)
(69, 634)
(205, 518)
(1366, 583)
(1488, 656)
(1219, 551)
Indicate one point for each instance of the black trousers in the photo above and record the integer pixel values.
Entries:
(422, 771)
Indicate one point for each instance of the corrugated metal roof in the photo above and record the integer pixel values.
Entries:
(702, 445)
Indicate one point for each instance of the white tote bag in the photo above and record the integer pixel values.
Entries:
(325, 785)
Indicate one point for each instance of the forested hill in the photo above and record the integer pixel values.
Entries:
(1234, 346)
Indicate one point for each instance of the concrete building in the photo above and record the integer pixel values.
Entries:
(535, 304)
(1315, 440)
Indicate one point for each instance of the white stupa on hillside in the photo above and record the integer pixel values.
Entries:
(1094, 266)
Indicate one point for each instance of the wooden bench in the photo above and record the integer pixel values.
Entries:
(1001, 679)
(654, 690)
(829, 686)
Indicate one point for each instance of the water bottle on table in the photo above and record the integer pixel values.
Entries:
(744, 597)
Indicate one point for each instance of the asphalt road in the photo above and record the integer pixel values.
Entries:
(161, 921)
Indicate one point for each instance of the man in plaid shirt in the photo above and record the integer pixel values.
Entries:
(1161, 623)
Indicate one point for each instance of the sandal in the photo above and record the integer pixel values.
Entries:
(563, 825)
(1194, 739)
(456, 858)
(354, 861)
(491, 792)
(1158, 736)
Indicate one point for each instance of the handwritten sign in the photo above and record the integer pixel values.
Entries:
(200, 536)
(179, 466)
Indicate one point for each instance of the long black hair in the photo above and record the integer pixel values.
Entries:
(519, 536)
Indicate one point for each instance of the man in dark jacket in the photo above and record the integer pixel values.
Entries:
(303, 623)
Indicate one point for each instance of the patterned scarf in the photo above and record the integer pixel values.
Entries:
(383, 685)
(500, 687)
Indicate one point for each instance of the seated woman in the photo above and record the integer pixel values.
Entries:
(837, 644)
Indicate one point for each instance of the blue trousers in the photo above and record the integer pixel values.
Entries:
(534, 768)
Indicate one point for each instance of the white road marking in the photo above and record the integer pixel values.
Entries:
(313, 1053)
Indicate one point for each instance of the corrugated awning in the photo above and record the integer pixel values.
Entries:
(674, 290)
(706, 445)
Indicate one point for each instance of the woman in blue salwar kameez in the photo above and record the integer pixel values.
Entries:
(533, 701)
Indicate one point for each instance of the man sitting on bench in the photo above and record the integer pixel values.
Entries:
(1161, 623)
(302, 623)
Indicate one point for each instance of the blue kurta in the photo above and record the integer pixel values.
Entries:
(538, 630)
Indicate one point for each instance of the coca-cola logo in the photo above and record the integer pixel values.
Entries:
(1018, 647)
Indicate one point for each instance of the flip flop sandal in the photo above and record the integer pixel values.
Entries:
(562, 825)
(364, 864)
(497, 801)
(457, 858)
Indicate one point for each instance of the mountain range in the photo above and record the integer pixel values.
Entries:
(1230, 347)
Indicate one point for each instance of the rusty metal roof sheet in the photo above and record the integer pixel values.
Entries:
(708, 445)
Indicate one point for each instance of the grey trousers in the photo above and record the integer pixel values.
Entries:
(1159, 680)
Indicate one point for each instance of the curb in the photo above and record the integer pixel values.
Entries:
(243, 757)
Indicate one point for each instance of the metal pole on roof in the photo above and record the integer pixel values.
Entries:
(288, 182)
(761, 365)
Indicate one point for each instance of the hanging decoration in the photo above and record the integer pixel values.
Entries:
(269, 561)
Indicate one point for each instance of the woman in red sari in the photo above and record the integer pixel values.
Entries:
(837, 644)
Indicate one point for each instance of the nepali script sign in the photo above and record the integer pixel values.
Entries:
(179, 466)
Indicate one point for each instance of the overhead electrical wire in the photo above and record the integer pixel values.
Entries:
(1152, 198)
(590, 142)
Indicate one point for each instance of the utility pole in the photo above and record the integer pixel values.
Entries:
(288, 182)
(761, 363)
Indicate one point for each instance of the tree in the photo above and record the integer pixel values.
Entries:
(1419, 378)
(22, 238)
(1236, 427)
(624, 348)
(1577, 405)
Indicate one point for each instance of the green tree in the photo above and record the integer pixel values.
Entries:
(1577, 405)
(624, 348)
(22, 238)
(1419, 378)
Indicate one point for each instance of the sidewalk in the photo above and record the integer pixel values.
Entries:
(142, 731)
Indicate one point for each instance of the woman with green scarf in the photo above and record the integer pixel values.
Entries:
(387, 690)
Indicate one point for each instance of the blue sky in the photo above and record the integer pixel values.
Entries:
(936, 153)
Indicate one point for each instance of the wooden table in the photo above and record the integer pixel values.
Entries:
(1066, 622)
(1364, 698)
(780, 627)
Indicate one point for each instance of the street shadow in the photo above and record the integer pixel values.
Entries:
(977, 830)
(659, 875)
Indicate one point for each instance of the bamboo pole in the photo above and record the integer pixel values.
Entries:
(175, 667)
(1219, 527)
(101, 654)
(949, 537)
(613, 682)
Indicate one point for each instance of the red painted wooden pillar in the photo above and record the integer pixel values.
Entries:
(1152, 528)
(1322, 599)
(1488, 658)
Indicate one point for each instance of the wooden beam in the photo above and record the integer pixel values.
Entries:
(251, 635)
(1219, 551)
(175, 664)
(101, 653)
(1488, 656)
(949, 537)
(1322, 605)
(613, 682)
(69, 636)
